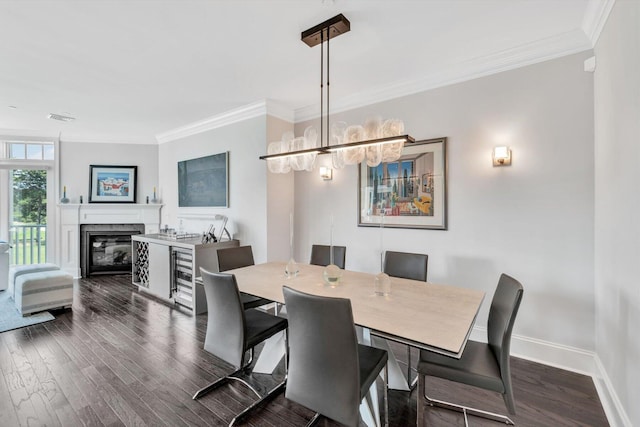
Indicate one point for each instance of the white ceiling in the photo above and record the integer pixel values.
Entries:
(132, 69)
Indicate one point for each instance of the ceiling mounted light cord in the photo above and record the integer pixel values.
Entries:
(322, 86)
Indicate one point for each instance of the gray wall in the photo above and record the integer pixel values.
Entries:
(245, 141)
(617, 228)
(533, 220)
(75, 158)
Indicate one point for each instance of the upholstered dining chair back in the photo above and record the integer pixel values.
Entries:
(323, 356)
(483, 365)
(241, 256)
(406, 265)
(225, 319)
(230, 258)
(321, 255)
(502, 315)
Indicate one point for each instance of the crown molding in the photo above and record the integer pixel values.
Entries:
(35, 135)
(280, 111)
(249, 111)
(542, 50)
(27, 135)
(97, 139)
(595, 16)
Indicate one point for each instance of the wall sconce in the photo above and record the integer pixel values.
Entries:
(326, 173)
(501, 156)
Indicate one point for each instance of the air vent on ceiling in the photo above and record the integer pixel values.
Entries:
(60, 117)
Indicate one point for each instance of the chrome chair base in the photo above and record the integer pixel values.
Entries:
(465, 410)
(269, 395)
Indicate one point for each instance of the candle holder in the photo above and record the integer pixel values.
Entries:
(64, 196)
(291, 270)
(332, 273)
(382, 281)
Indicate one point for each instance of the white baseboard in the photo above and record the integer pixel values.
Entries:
(570, 359)
(616, 414)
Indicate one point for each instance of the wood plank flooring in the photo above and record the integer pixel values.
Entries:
(123, 358)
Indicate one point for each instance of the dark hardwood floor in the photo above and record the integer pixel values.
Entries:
(123, 358)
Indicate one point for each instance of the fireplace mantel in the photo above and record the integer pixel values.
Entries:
(72, 215)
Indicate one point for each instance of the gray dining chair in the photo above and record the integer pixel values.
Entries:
(406, 265)
(329, 372)
(240, 256)
(483, 365)
(233, 331)
(321, 255)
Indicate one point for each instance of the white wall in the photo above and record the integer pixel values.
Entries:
(280, 199)
(533, 220)
(75, 158)
(617, 205)
(245, 141)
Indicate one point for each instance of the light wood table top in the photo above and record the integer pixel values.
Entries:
(425, 315)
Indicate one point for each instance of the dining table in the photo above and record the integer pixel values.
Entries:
(424, 315)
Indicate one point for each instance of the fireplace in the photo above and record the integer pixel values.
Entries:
(106, 248)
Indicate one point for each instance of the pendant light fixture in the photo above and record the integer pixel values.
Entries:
(377, 141)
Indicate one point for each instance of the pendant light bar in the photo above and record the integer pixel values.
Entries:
(294, 153)
(369, 142)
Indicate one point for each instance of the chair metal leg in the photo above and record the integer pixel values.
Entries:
(270, 394)
(314, 420)
(465, 410)
(386, 396)
(214, 385)
(277, 389)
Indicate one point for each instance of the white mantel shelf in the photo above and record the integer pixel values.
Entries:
(73, 215)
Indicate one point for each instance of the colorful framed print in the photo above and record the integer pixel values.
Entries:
(410, 192)
(112, 184)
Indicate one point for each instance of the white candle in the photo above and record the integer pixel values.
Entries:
(331, 232)
(331, 241)
(291, 231)
(381, 242)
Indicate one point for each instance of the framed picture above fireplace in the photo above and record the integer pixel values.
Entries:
(112, 184)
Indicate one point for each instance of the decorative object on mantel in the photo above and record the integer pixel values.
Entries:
(410, 192)
(112, 184)
(64, 195)
(155, 198)
(377, 141)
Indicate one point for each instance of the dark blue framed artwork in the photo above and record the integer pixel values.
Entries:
(204, 182)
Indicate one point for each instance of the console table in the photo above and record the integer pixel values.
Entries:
(166, 267)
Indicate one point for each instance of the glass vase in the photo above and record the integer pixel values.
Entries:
(291, 269)
(332, 274)
(382, 284)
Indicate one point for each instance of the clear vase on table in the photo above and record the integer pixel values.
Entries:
(382, 281)
(291, 269)
(331, 273)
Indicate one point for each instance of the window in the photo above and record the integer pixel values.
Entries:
(31, 150)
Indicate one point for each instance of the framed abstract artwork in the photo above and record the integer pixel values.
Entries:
(410, 192)
(112, 184)
(204, 182)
